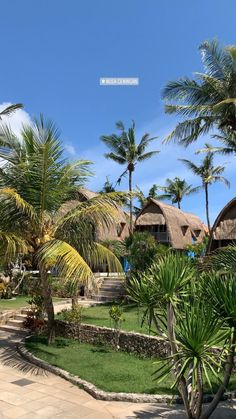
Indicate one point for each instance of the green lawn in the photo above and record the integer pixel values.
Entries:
(107, 369)
(99, 316)
(19, 302)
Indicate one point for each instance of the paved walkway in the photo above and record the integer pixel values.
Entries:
(28, 392)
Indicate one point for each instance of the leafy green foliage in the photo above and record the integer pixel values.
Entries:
(75, 315)
(116, 315)
(176, 189)
(208, 101)
(143, 251)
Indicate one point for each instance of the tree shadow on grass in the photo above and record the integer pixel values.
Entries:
(9, 356)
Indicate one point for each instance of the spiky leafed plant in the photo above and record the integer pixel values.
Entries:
(176, 189)
(220, 291)
(209, 174)
(36, 184)
(125, 151)
(200, 317)
(208, 100)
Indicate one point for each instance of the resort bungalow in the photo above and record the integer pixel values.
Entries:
(223, 231)
(170, 225)
(117, 231)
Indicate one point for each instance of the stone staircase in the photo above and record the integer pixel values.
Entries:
(111, 289)
(15, 322)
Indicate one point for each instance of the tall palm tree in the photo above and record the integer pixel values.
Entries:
(176, 189)
(125, 151)
(207, 101)
(209, 174)
(40, 214)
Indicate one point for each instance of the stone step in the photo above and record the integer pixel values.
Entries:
(12, 329)
(15, 323)
(26, 311)
(114, 290)
(107, 299)
(113, 283)
(21, 317)
(110, 294)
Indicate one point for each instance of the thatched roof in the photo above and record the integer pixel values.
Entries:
(224, 227)
(115, 232)
(181, 226)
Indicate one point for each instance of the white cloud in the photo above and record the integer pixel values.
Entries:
(70, 149)
(16, 120)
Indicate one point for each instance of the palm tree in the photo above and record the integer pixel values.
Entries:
(208, 100)
(176, 189)
(125, 151)
(152, 193)
(108, 186)
(209, 174)
(228, 146)
(40, 214)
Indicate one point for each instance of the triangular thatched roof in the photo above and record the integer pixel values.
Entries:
(181, 226)
(224, 227)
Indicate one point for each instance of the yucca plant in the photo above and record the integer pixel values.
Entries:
(40, 214)
(199, 312)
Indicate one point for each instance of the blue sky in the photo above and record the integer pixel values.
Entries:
(54, 52)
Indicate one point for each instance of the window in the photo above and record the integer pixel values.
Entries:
(184, 229)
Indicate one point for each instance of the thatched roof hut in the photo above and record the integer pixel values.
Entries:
(169, 225)
(223, 231)
(117, 231)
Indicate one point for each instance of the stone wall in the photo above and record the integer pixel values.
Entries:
(137, 343)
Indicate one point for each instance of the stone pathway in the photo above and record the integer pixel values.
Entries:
(28, 392)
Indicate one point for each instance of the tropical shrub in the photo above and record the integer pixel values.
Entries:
(75, 315)
(143, 250)
(197, 314)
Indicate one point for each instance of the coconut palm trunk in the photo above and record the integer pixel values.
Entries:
(130, 202)
(207, 206)
(48, 304)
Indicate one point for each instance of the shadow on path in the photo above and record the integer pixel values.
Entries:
(9, 356)
(225, 410)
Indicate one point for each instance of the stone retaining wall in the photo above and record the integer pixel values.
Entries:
(131, 342)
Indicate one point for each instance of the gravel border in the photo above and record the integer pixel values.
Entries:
(104, 395)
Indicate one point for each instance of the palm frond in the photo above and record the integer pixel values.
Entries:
(9, 110)
(69, 263)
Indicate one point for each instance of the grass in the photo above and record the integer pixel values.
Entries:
(99, 316)
(19, 302)
(107, 369)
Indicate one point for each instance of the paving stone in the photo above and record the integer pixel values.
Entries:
(22, 382)
(15, 412)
